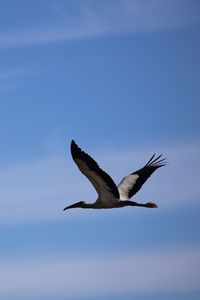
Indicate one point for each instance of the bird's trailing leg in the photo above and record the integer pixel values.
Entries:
(150, 205)
(132, 203)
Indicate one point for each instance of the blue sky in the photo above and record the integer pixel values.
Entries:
(122, 79)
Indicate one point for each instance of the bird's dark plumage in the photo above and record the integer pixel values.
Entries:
(91, 164)
(109, 195)
(145, 172)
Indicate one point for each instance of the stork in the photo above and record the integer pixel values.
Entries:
(110, 195)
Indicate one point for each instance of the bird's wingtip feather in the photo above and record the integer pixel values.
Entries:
(151, 158)
(73, 142)
(156, 161)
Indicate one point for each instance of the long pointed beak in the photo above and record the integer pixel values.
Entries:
(72, 206)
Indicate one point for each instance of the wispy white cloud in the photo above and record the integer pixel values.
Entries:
(11, 76)
(161, 270)
(34, 189)
(78, 19)
(41, 188)
(15, 72)
(6, 78)
(4, 87)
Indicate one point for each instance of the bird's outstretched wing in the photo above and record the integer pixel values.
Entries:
(131, 184)
(102, 182)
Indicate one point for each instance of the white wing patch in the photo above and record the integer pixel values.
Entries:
(126, 185)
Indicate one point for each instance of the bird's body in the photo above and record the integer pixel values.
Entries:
(110, 195)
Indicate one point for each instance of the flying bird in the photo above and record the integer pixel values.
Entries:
(110, 195)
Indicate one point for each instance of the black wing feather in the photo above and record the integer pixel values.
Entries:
(145, 172)
(77, 153)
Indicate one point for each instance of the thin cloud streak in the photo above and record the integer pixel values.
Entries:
(86, 20)
(10, 78)
(40, 189)
(161, 270)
